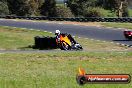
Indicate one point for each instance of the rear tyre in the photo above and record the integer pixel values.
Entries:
(128, 38)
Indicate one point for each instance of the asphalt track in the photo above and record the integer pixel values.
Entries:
(54, 51)
(98, 33)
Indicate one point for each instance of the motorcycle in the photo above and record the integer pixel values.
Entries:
(67, 42)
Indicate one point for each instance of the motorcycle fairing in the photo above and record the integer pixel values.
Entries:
(65, 39)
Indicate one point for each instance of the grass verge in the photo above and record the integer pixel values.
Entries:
(20, 39)
(59, 69)
(117, 25)
(17, 38)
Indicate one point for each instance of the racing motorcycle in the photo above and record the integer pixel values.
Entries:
(66, 42)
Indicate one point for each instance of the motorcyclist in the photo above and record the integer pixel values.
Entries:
(58, 34)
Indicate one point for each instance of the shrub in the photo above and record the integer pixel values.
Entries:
(62, 11)
(107, 13)
(98, 12)
(130, 12)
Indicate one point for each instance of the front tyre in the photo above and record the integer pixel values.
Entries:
(77, 47)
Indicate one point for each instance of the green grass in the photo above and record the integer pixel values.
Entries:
(117, 25)
(94, 45)
(17, 38)
(59, 69)
(20, 39)
(130, 12)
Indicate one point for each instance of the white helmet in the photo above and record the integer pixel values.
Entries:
(57, 32)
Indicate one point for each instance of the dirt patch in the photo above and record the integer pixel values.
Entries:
(97, 24)
(84, 23)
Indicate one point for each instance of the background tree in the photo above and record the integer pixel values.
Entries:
(24, 7)
(78, 7)
(19, 7)
(4, 8)
(48, 8)
(125, 9)
(34, 6)
(118, 6)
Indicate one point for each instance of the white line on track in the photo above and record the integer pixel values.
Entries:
(111, 42)
(109, 27)
(6, 26)
(38, 30)
(118, 43)
(86, 38)
(73, 36)
(31, 29)
(104, 41)
(33, 21)
(123, 44)
(120, 28)
(23, 28)
(60, 23)
(14, 27)
(98, 40)
(47, 22)
(98, 26)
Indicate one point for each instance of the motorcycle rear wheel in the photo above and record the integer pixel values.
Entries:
(65, 46)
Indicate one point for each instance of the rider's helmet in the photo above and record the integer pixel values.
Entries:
(57, 32)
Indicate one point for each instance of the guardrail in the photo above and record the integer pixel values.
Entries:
(77, 19)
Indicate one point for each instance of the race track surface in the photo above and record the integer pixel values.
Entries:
(99, 33)
(54, 51)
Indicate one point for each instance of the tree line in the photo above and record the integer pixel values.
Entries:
(71, 8)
